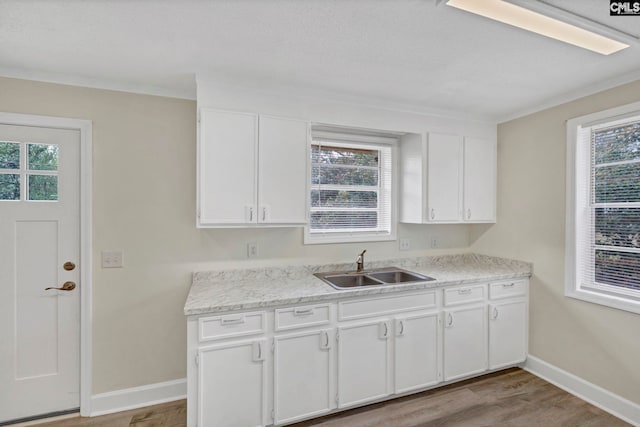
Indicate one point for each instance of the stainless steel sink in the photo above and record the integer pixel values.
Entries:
(399, 276)
(378, 277)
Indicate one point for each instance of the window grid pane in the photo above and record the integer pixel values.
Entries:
(9, 155)
(350, 188)
(615, 215)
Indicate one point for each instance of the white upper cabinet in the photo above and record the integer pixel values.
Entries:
(447, 179)
(282, 170)
(479, 180)
(443, 177)
(227, 165)
(252, 169)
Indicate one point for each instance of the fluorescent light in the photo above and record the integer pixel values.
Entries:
(529, 20)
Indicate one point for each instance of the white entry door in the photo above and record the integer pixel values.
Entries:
(39, 251)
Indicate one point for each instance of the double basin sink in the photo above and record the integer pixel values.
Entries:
(377, 277)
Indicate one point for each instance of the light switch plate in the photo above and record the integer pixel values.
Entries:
(112, 259)
(252, 250)
(405, 244)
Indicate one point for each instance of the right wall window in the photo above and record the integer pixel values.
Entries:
(603, 208)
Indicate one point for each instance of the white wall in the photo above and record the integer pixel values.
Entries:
(144, 204)
(596, 343)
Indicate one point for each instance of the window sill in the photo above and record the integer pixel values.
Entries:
(320, 239)
(608, 300)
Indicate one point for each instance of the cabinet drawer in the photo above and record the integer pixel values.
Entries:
(508, 289)
(231, 325)
(357, 309)
(464, 295)
(301, 317)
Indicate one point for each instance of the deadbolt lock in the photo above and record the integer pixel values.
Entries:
(69, 266)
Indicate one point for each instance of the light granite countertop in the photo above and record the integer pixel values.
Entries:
(246, 289)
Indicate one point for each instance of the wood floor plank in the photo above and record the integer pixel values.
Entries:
(510, 398)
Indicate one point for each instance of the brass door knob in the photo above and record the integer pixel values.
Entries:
(67, 286)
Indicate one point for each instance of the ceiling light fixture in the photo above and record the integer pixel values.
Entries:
(529, 20)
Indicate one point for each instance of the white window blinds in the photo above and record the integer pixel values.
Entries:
(351, 185)
(608, 207)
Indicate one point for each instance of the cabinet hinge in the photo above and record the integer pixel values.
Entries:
(337, 336)
(337, 399)
(273, 415)
(273, 346)
(197, 359)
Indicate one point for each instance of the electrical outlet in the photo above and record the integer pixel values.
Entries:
(405, 244)
(434, 242)
(112, 259)
(252, 250)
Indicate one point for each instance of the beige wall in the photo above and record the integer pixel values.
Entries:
(594, 342)
(144, 204)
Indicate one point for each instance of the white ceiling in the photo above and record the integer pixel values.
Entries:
(412, 53)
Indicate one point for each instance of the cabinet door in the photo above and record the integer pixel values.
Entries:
(479, 180)
(227, 164)
(231, 384)
(416, 352)
(283, 163)
(443, 177)
(507, 333)
(302, 375)
(465, 342)
(363, 362)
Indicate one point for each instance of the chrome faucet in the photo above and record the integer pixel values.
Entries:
(360, 262)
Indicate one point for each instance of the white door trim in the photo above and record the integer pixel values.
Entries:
(85, 128)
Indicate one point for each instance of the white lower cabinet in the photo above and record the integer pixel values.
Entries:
(416, 351)
(508, 323)
(283, 365)
(465, 341)
(232, 384)
(363, 362)
(303, 373)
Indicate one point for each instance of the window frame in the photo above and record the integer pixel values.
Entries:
(607, 295)
(356, 138)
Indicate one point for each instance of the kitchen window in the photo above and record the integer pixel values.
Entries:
(351, 191)
(603, 207)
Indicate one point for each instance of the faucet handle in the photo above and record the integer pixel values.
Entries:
(362, 253)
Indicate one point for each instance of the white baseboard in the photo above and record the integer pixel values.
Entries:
(597, 396)
(138, 397)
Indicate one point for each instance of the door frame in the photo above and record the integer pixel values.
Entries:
(86, 128)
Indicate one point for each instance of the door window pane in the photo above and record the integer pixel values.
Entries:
(43, 157)
(9, 155)
(43, 187)
(9, 186)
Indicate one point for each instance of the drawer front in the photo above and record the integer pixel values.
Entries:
(509, 289)
(301, 317)
(357, 309)
(464, 295)
(231, 325)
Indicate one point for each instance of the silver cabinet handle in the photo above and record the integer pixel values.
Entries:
(449, 320)
(250, 214)
(257, 351)
(508, 285)
(232, 320)
(326, 341)
(495, 313)
(302, 311)
(402, 327)
(433, 213)
(384, 335)
(465, 291)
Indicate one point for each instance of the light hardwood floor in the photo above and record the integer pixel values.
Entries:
(508, 398)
